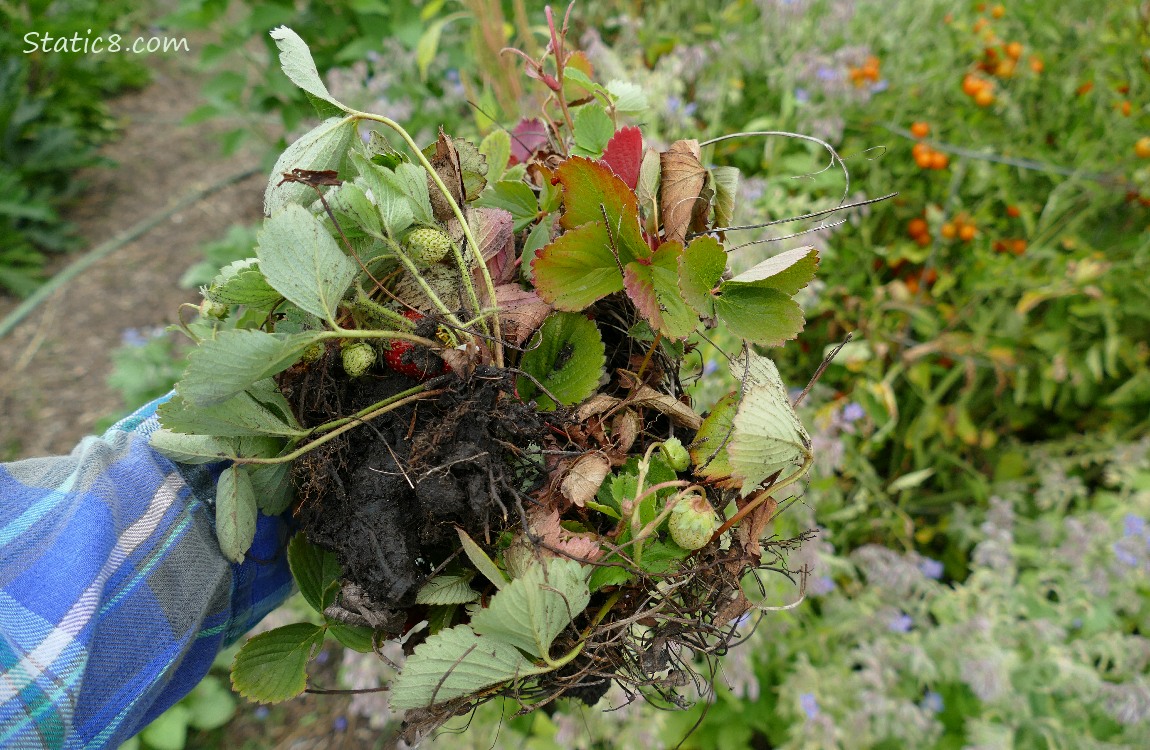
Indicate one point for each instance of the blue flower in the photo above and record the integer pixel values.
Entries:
(809, 705)
(802, 96)
(1124, 556)
(339, 724)
(901, 624)
(821, 586)
(853, 412)
(932, 702)
(261, 712)
(1135, 525)
(826, 73)
(931, 568)
(878, 86)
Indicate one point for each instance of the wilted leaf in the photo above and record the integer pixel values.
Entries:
(768, 436)
(520, 312)
(726, 181)
(584, 478)
(683, 176)
(528, 137)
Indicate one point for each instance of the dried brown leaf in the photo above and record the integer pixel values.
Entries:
(683, 180)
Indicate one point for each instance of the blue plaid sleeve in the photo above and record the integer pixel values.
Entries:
(114, 595)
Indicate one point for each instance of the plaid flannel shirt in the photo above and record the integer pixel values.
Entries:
(114, 595)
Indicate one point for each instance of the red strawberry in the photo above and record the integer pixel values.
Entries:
(406, 359)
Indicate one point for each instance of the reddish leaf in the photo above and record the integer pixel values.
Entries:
(577, 269)
(528, 137)
(593, 194)
(624, 154)
(653, 285)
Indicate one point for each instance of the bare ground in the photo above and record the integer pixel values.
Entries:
(53, 366)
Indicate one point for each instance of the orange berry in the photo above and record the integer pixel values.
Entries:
(980, 7)
(912, 285)
(1086, 88)
(939, 160)
(984, 98)
(998, 11)
(1142, 147)
(948, 19)
(1018, 247)
(999, 246)
(924, 159)
(1037, 65)
(1125, 108)
(920, 148)
(916, 227)
(1014, 50)
(966, 232)
(1005, 69)
(979, 25)
(972, 84)
(929, 276)
(948, 231)
(923, 240)
(1013, 211)
(920, 129)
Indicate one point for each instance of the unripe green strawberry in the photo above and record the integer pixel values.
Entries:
(357, 358)
(676, 455)
(212, 309)
(692, 522)
(427, 245)
(312, 353)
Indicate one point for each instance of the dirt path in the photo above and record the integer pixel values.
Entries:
(53, 366)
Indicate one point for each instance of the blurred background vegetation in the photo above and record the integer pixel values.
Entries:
(981, 574)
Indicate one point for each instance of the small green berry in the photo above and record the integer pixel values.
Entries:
(427, 245)
(692, 522)
(357, 358)
(212, 309)
(676, 455)
(312, 353)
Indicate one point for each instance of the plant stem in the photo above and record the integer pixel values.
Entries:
(472, 244)
(390, 406)
(762, 498)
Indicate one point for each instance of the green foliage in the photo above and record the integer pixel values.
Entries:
(53, 115)
(566, 356)
(272, 666)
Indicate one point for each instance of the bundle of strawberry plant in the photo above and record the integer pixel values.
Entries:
(460, 368)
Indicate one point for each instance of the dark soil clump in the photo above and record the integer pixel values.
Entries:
(387, 497)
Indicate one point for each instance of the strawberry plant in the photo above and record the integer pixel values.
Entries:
(459, 367)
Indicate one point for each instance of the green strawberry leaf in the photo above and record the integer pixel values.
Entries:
(396, 210)
(350, 202)
(235, 512)
(447, 589)
(653, 285)
(567, 356)
(297, 64)
(323, 147)
(786, 272)
(701, 268)
(726, 181)
(761, 315)
(355, 637)
(242, 414)
(577, 269)
(273, 487)
(242, 283)
(593, 129)
(316, 571)
(222, 367)
(531, 611)
(515, 197)
(303, 263)
(453, 663)
(496, 148)
(709, 450)
(272, 667)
